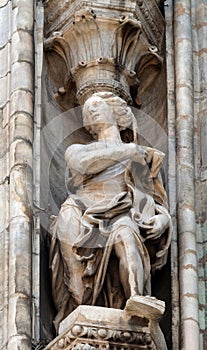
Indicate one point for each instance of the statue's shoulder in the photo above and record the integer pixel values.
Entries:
(73, 150)
(74, 147)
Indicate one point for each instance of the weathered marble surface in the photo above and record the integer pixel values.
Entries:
(92, 327)
(193, 21)
(16, 137)
(114, 227)
(124, 44)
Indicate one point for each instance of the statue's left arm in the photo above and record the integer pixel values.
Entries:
(159, 226)
(161, 221)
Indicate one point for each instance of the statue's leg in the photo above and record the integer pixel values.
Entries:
(73, 273)
(68, 230)
(131, 269)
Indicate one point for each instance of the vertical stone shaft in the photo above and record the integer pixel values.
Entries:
(38, 41)
(199, 24)
(185, 176)
(5, 38)
(172, 171)
(21, 138)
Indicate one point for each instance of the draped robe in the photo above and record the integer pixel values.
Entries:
(83, 235)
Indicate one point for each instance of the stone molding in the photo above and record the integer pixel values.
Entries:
(59, 15)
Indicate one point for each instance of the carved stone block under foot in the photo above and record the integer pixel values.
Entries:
(94, 327)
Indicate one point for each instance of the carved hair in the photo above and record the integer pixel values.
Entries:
(122, 112)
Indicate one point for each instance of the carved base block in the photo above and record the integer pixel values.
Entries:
(93, 327)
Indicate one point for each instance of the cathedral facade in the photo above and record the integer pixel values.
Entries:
(54, 55)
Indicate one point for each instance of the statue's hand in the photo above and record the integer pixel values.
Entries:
(159, 223)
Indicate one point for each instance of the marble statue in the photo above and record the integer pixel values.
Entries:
(114, 227)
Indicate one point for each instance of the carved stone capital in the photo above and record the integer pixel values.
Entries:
(60, 15)
(102, 53)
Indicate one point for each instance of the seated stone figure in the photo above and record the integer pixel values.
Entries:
(114, 227)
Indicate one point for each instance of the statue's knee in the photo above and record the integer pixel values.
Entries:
(125, 237)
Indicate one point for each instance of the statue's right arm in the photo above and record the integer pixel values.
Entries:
(98, 156)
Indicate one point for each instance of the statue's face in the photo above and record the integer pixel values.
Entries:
(97, 112)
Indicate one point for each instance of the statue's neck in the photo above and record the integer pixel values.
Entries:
(110, 134)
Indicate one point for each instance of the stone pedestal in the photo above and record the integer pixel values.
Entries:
(94, 327)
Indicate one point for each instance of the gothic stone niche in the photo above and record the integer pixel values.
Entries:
(105, 57)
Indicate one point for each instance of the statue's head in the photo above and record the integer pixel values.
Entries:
(106, 108)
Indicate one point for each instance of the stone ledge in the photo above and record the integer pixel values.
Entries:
(94, 327)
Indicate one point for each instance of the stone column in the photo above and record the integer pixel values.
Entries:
(172, 181)
(5, 36)
(38, 42)
(199, 31)
(188, 267)
(17, 129)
